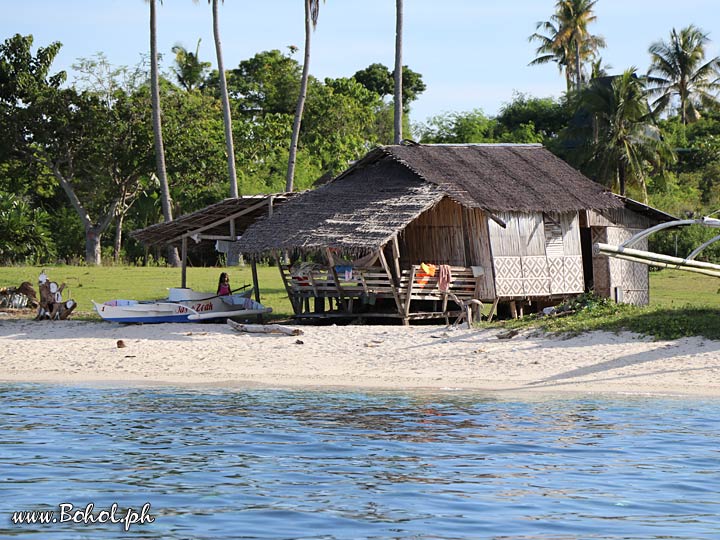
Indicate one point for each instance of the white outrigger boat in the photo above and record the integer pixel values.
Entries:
(626, 252)
(181, 305)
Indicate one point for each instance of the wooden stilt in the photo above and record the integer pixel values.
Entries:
(183, 271)
(294, 302)
(256, 286)
(341, 293)
(396, 258)
(493, 309)
(384, 264)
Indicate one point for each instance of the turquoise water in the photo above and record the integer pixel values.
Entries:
(339, 465)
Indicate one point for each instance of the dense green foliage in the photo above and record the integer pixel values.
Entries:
(82, 155)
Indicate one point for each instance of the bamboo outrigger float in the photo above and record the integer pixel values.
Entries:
(626, 252)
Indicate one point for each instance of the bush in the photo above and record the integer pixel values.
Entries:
(24, 232)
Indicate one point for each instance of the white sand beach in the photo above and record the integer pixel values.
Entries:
(387, 357)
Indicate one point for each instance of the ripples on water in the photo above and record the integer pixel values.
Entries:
(339, 465)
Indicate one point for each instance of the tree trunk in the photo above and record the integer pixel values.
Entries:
(92, 246)
(227, 118)
(173, 258)
(621, 179)
(398, 71)
(578, 74)
(118, 237)
(300, 103)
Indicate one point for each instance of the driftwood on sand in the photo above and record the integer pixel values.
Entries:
(51, 305)
(265, 329)
(18, 297)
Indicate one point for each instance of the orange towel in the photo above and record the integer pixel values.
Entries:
(428, 269)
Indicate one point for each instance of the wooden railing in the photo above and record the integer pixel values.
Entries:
(368, 284)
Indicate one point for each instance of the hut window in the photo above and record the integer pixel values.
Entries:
(553, 237)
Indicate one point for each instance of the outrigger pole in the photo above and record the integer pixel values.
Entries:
(625, 252)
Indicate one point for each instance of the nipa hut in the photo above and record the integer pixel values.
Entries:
(417, 231)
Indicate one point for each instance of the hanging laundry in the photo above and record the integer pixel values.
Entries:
(444, 277)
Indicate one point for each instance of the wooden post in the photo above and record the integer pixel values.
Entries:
(384, 264)
(256, 286)
(396, 258)
(183, 279)
(409, 290)
(492, 309)
(339, 288)
(296, 303)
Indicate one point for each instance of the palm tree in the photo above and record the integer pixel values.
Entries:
(165, 200)
(398, 117)
(567, 40)
(624, 142)
(227, 118)
(551, 51)
(678, 69)
(189, 69)
(312, 11)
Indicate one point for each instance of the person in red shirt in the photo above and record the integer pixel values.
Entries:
(223, 285)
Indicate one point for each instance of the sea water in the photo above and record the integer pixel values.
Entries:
(276, 464)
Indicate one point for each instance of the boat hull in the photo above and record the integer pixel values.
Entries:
(182, 305)
(144, 313)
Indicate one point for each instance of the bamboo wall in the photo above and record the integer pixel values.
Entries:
(536, 254)
(617, 217)
(450, 234)
(610, 273)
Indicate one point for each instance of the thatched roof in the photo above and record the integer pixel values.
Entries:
(356, 213)
(213, 220)
(520, 178)
(364, 207)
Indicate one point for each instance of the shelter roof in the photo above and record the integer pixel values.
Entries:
(356, 213)
(224, 220)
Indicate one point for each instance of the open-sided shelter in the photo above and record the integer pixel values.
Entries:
(510, 223)
(224, 222)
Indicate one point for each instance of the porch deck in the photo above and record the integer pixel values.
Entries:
(323, 292)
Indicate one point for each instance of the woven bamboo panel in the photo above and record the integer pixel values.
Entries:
(534, 268)
(537, 286)
(556, 268)
(536, 280)
(509, 277)
(573, 271)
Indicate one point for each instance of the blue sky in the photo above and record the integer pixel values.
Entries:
(471, 53)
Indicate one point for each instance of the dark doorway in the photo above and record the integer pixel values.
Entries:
(587, 257)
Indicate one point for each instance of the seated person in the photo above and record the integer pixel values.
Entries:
(223, 285)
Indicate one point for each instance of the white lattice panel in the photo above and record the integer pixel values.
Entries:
(574, 279)
(509, 287)
(508, 268)
(534, 267)
(556, 268)
(537, 286)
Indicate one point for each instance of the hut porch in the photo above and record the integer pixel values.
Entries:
(323, 292)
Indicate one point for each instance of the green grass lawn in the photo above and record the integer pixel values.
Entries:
(676, 288)
(102, 283)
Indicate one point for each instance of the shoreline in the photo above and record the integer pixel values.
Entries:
(374, 358)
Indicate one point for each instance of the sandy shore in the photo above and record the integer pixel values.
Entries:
(389, 357)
